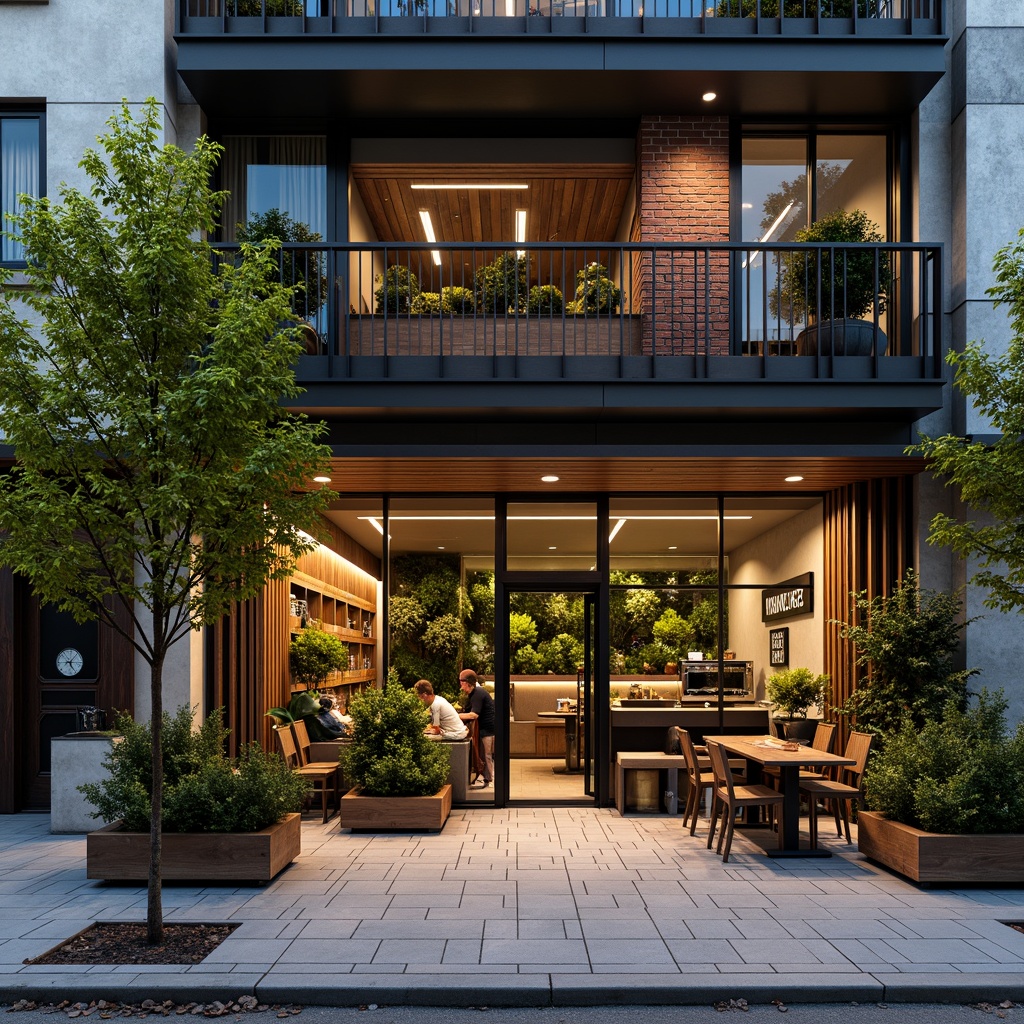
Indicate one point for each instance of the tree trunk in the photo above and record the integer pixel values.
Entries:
(154, 904)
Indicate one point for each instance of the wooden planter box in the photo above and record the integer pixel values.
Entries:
(118, 856)
(396, 813)
(939, 858)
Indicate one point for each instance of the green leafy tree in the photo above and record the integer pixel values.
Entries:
(303, 270)
(906, 646)
(595, 291)
(674, 633)
(389, 754)
(561, 654)
(503, 286)
(989, 478)
(157, 475)
(522, 630)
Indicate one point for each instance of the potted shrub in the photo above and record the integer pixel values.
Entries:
(503, 286)
(947, 798)
(399, 776)
(314, 654)
(595, 292)
(457, 300)
(793, 691)
(544, 299)
(795, 8)
(223, 819)
(832, 291)
(397, 288)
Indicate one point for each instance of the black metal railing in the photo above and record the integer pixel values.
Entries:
(721, 17)
(620, 307)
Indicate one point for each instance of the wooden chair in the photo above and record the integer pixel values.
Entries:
(824, 740)
(842, 791)
(730, 798)
(698, 780)
(320, 773)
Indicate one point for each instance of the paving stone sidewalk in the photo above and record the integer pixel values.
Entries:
(525, 907)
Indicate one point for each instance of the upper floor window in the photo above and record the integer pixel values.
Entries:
(20, 174)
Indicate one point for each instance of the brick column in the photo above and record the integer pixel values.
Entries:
(684, 197)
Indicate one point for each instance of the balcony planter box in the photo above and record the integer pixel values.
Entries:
(938, 858)
(118, 856)
(396, 813)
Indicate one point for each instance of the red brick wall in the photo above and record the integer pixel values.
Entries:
(684, 197)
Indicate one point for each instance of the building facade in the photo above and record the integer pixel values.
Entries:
(559, 321)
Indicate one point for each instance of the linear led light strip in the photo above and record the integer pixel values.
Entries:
(428, 230)
(478, 186)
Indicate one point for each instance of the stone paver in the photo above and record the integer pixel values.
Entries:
(542, 906)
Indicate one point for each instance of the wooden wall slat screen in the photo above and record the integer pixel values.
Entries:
(869, 545)
(247, 670)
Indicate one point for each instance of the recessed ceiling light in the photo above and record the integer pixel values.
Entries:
(322, 479)
(615, 529)
(552, 547)
(428, 230)
(709, 96)
(550, 479)
(793, 479)
(474, 185)
(672, 547)
(440, 547)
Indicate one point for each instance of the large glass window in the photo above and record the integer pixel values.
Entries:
(788, 183)
(20, 174)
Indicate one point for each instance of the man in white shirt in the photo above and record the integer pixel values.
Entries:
(445, 723)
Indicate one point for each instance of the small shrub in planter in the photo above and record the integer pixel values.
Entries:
(796, 8)
(426, 303)
(544, 299)
(389, 754)
(502, 286)
(595, 291)
(962, 773)
(794, 690)
(848, 284)
(314, 654)
(397, 287)
(457, 300)
(204, 789)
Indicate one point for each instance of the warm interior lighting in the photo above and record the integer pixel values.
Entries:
(793, 479)
(428, 230)
(544, 519)
(549, 479)
(520, 228)
(771, 231)
(374, 523)
(321, 479)
(709, 96)
(615, 529)
(474, 185)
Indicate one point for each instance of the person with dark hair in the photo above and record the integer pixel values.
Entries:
(479, 704)
(445, 723)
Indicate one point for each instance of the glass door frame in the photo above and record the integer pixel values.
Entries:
(598, 725)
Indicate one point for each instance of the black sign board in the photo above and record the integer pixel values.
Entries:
(789, 598)
(778, 646)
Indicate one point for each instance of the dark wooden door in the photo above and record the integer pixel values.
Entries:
(65, 666)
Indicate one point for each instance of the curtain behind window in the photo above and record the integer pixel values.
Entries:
(287, 173)
(19, 175)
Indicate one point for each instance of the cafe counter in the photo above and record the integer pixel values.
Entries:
(645, 728)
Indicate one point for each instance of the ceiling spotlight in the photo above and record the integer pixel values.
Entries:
(672, 547)
(552, 547)
(322, 479)
(440, 547)
(793, 479)
(549, 479)
(709, 97)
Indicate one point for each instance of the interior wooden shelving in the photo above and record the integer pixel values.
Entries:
(349, 616)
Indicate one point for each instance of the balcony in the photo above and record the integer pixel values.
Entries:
(558, 58)
(712, 325)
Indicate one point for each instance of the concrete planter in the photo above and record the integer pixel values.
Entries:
(75, 759)
(396, 813)
(842, 338)
(939, 858)
(118, 856)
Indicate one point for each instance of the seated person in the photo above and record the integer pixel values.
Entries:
(445, 723)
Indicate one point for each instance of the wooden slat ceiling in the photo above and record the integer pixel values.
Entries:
(594, 475)
(563, 202)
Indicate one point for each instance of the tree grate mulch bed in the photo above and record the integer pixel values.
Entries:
(124, 942)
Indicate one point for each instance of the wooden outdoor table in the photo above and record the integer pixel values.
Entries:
(765, 751)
